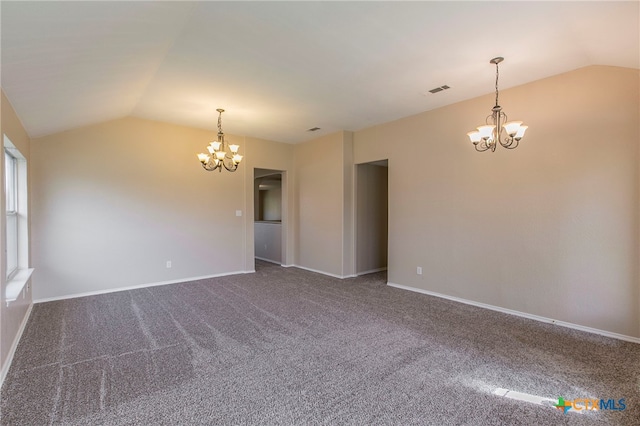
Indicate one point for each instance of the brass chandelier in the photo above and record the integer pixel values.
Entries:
(497, 129)
(218, 156)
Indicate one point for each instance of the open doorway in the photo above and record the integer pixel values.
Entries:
(269, 211)
(372, 216)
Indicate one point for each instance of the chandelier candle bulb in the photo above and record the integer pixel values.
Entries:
(474, 136)
(486, 131)
(520, 132)
(512, 127)
(488, 136)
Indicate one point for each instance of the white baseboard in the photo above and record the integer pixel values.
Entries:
(14, 346)
(133, 287)
(268, 260)
(521, 314)
(371, 271)
(317, 271)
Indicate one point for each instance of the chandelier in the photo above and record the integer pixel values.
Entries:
(497, 129)
(218, 156)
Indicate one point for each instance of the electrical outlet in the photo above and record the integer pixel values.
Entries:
(265, 246)
(238, 213)
(168, 264)
(419, 270)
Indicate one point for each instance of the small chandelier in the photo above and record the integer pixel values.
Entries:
(218, 156)
(497, 128)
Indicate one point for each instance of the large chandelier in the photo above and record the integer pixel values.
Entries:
(218, 156)
(497, 129)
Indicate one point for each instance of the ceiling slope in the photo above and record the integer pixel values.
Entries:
(280, 68)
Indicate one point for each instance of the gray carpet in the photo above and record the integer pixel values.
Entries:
(286, 346)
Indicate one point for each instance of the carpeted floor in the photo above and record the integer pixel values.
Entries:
(291, 347)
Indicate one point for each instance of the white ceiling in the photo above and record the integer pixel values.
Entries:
(280, 68)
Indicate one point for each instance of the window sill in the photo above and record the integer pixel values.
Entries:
(17, 284)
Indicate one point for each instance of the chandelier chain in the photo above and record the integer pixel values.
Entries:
(497, 75)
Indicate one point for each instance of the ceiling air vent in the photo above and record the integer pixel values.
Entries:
(313, 129)
(439, 89)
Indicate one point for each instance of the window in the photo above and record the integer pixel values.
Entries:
(16, 232)
(11, 193)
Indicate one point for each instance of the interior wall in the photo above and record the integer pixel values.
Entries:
(320, 181)
(12, 316)
(372, 230)
(258, 204)
(268, 197)
(258, 174)
(114, 202)
(272, 204)
(550, 228)
(268, 241)
(348, 207)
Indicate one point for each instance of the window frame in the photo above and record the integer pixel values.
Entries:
(12, 243)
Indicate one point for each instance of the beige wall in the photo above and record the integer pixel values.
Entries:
(272, 206)
(12, 316)
(371, 214)
(114, 202)
(550, 228)
(321, 177)
(268, 241)
(348, 207)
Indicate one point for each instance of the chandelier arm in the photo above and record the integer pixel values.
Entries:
(209, 168)
(483, 147)
(228, 159)
(513, 143)
(232, 169)
(501, 119)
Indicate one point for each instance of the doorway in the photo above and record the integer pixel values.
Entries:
(269, 212)
(372, 216)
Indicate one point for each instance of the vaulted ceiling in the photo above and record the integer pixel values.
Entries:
(280, 68)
